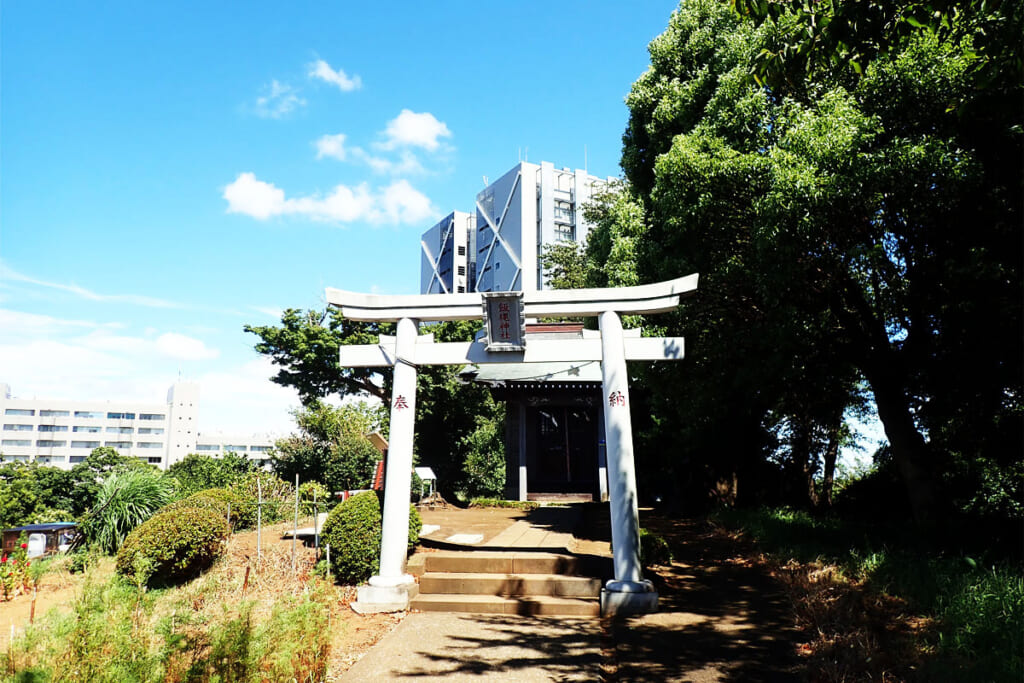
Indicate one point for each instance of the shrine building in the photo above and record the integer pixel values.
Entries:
(554, 448)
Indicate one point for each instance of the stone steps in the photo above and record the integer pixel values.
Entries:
(503, 582)
(539, 605)
(510, 585)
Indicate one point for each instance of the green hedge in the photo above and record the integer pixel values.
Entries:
(174, 545)
(654, 549)
(353, 530)
(243, 512)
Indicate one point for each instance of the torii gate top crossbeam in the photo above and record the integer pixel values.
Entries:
(653, 298)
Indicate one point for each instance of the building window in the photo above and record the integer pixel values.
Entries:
(565, 233)
(148, 444)
(87, 429)
(236, 449)
(17, 428)
(119, 430)
(151, 430)
(563, 211)
(85, 444)
(47, 443)
(260, 449)
(207, 447)
(120, 416)
(24, 412)
(16, 442)
(118, 444)
(462, 250)
(54, 413)
(53, 428)
(462, 270)
(89, 414)
(76, 458)
(152, 416)
(461, 289)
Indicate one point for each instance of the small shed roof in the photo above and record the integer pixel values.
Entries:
(425, 473)
(43, 528)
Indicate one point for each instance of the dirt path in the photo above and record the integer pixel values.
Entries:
(721, 616)
(57, 590)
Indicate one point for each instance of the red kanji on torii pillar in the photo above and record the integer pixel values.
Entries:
(504, 315)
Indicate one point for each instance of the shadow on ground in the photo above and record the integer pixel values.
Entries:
(515, 648)
(721, 617)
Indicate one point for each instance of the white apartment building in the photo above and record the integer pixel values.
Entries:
(63, 432)
(444, 265)
(527, 208)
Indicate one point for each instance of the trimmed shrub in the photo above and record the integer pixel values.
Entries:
(654, 549)
(353, 530)
(243, 512)
(415, 526)
(174, 545)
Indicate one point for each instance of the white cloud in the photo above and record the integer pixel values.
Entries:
(411, 129)
(52, 358)
(406, 164)
(322, 70)
(254, 197)
(332, 146)
(280, 101)
(399, 202)
(9, 275)
(402, 203)
(34, 323)
(269, 311)
(174, 345)
(234, 399)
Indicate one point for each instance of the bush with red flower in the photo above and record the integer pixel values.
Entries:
(14, 571)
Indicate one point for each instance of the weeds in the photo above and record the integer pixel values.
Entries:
(963, 616)
(497, 503)
(117, 630)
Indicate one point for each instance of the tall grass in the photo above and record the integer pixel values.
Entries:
(978, 603)
(126, 499)
(117, 632)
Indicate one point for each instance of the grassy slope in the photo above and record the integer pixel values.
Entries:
(874, 605)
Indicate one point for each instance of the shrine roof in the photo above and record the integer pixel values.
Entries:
(560, 372)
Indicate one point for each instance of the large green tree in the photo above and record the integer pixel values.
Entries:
(197, 472)
(448, 410)
(330, 446)
(863, 220)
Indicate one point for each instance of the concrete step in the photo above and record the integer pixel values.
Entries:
(561, 497)
(510, 585)
(484, 562)
(493, 604)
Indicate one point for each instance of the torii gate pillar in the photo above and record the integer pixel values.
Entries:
(628, 592)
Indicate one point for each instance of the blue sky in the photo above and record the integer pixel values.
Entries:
(172, 171)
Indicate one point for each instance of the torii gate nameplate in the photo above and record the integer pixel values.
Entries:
(627, 592)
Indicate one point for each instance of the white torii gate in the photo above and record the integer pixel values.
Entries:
(628, 592)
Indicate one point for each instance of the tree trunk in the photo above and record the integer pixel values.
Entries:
(878, 362)
(909, 449)
(805, 455)
(831, 454)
